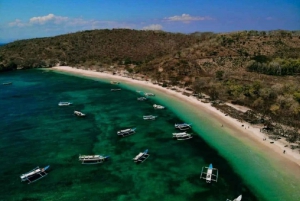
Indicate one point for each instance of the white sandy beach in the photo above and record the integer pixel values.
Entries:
(247, 132)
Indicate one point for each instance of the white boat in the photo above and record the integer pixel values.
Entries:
(149, 94)
(236, 199)
(183, 126)
(126, 132)
(79, 114)
(92, 159)
(158, 106)
(141, 157)
(141, 98)
(64, 103)
(149, 117)
(209, 174)
(34, 174)
(182, 136)
(114, 82)
(6, 83)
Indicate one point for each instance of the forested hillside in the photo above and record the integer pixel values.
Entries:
(258, 69)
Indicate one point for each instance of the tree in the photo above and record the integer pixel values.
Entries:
(219, 74)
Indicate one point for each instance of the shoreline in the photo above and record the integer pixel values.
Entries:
(246, 132)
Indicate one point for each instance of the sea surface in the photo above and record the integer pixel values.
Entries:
(35, 131)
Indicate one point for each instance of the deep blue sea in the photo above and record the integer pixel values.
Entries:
(35, 131)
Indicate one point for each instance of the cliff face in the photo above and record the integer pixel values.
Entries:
(257, 69)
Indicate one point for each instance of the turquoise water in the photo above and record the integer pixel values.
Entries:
(36, 132)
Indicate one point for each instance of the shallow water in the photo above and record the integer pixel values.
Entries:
(36, 132)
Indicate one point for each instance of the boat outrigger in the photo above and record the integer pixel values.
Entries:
(35, 174)
(79, 114)
(92, 159)
(141, 157)
(126, 132)
(236, 199)
(158, 106)
(149, 117)
(183, 126)
(64, 103)
(207, 173)
(141, 98)
(182, 136)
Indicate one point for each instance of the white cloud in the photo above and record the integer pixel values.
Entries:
(67, 22)
(48, 18)
(153, 27)
(186, 18)
(16, 23)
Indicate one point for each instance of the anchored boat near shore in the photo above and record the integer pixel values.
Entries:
(92, 159)
(182, 136)
(209, 174)
(158, 106)
(34, 174)
(183, 126)
(149, 117)
(236, 199)
(141, 157)
(64, 103)
(79, 114)
(141, 98)
(126, 132)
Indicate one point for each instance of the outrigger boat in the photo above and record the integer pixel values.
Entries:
(92, 159)
(6, 83)
(236, 199)
(209, 174)
(114, 82)
(64, 103)
(149, 117)
(141, 98)
(35, 174)
(158, 106)
(79, 114)
(149, 94)
(126, 132)
(141, 157)
(182, 136)
(183, 126)
(115, 90)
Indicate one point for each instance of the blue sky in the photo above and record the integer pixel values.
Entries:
(22, 19)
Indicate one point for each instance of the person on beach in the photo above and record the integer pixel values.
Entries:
(284, 151)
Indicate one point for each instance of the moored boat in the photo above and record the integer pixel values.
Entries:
(182, 136)
(34, 174)
(183, 126)
(149, 117)
(114, 82)
(149, 94)
(64, 103)
(141, 157)
(239, 198)
(92, 159)
(126, 132)
(141, 98)
(158, 106)
(6, 83)
(79, 114)
(209, 174)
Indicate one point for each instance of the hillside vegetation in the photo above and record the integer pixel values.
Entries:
(259, 70)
